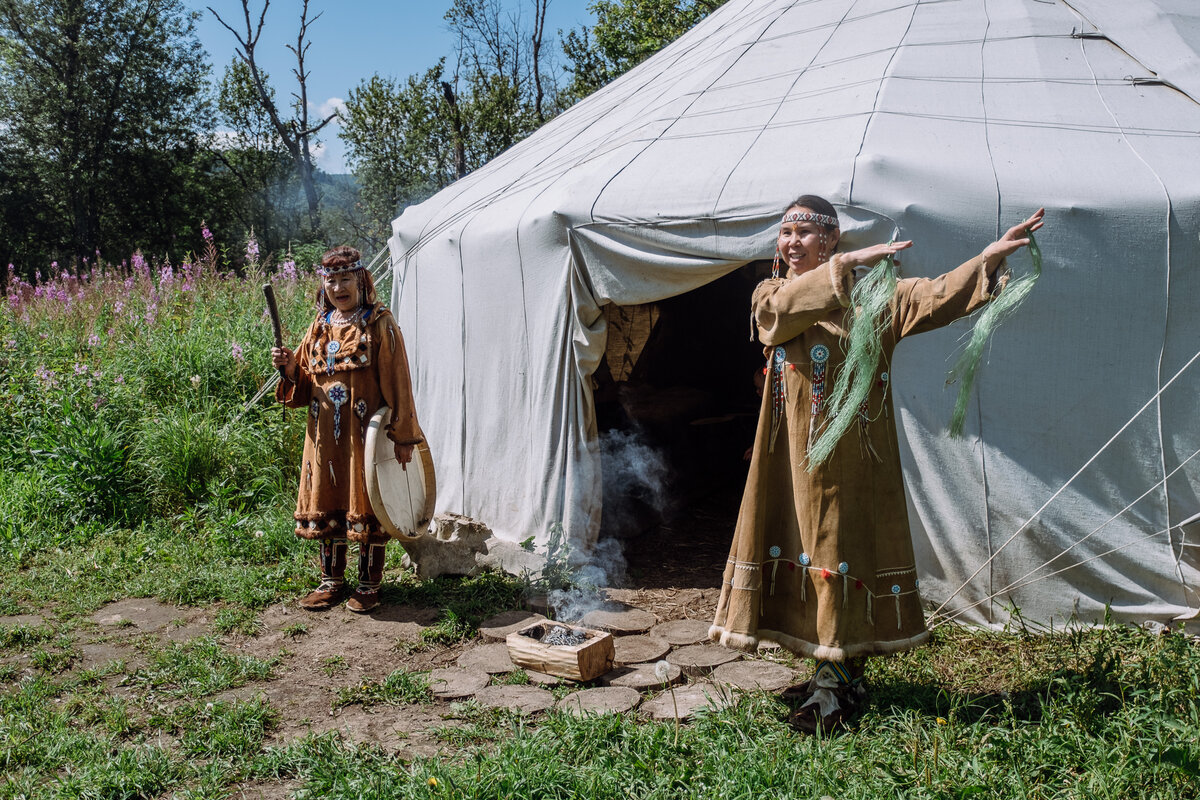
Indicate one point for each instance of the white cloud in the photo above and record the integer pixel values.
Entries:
(330, 106)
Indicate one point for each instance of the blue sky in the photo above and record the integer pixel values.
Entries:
(351, 41)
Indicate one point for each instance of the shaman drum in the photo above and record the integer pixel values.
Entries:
(401, 498)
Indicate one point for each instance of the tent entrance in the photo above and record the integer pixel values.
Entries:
(677, 404)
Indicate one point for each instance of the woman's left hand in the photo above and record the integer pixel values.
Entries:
(1013, 240)
(404, 453)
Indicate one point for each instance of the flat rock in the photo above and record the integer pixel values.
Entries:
(679, 632)
(455, 683)
(542, 679)
(145, 614)
(686, 701)
(638, 649)
(22, 620)
(603, 700)
(522, 699)
(497, 628)
(620, 619)
(753, 675)
(641, 677)
(698, 660)
(490, 658)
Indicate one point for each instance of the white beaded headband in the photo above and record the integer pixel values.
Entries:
(808, 216)
(325, 272)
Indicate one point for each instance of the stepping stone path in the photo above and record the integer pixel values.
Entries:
(490, 658)
(497, 628)
(604, 700)
(641, 677)
(522, 699)
(679, 632)
(456, 683)
(686, 700)
(752, 675)
(620, 620)
(698, 660)
(715, 673)
(638, 649)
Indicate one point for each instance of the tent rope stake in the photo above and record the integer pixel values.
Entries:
(937, 611)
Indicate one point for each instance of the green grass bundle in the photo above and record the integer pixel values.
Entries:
(996, 312)
(871, 301)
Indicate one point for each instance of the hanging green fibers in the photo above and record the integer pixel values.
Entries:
(996, 312)
(872, 300)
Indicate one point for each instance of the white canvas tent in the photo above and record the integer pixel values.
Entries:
(941, 121)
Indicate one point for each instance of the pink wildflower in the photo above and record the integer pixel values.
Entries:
(119, 379)
(252, 248)
(238, 354)
(93, 340)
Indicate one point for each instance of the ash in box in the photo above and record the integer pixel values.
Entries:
(559, 636)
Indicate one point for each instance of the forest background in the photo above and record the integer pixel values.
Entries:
(118, 136)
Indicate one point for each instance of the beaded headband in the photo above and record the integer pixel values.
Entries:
(325, 272)
(808, 216)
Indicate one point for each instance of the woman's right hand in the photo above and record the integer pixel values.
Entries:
(285, 358)
(870, 256)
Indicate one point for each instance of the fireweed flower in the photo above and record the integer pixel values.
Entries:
(205, 232)
(237, 353)
(252, 248)
(118, 306)
(93, 340)
(287, 270)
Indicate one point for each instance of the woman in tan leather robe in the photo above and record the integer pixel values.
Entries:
(350, 363)
(822, 559)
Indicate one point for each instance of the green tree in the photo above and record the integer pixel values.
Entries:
(399, 144)
(102, 101)
(626, 33)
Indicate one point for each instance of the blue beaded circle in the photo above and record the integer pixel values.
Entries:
(895, 589)
(775, 551)
(805, 560)
(917, 583)
(843, 567)
(819, 354)
(883, 376)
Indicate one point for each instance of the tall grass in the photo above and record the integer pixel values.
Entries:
(124, 400)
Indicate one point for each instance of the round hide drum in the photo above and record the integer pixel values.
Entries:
(402, 496)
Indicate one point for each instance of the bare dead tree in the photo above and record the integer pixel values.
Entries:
(295, 132)
(539, 28)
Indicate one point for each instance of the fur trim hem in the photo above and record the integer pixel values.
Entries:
(732, 640)
(830, 653)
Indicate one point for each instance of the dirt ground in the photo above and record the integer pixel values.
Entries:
(673, 571)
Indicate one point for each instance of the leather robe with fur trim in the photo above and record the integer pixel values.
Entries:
(346, 373)
(822, 562)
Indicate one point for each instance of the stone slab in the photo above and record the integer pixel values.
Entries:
(680, 632)
(22, 620)
(754, 675)
(698, 660)
(641, 677)
(144, 614)
(455, 683)
(638, 649)
(490, 658)
(542, 679)
(620, 619)
(687, 700)
(497, 628)
(522, 699)
(602, 700)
